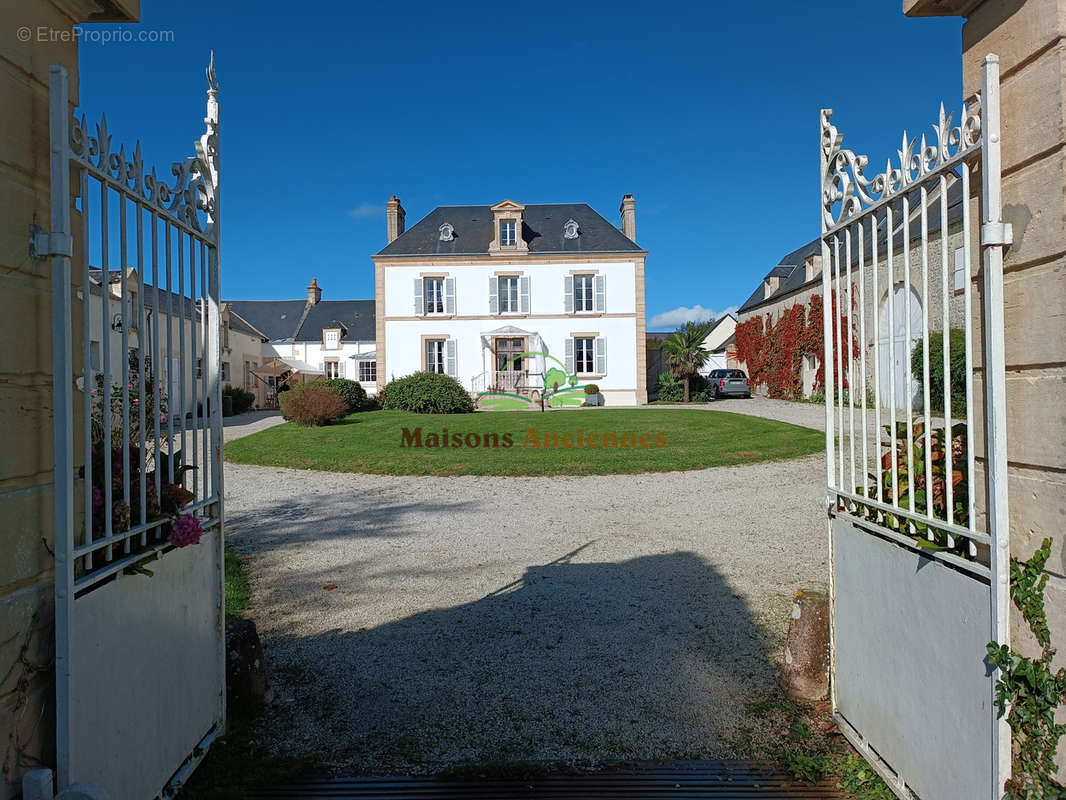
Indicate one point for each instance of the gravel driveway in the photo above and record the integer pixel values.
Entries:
(415, 623)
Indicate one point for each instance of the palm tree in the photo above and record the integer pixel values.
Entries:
(685, 351)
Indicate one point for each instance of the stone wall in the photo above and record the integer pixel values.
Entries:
(1030, 40)
(933, 298)
(26, 464)
(1029, 37)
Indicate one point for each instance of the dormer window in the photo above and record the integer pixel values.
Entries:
(770, 285)
(507, 229)
(570, 229)
(507, 233)
(331, 338)
(447, 232)
(812, 268)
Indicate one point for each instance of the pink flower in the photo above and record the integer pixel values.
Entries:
(186, 530)
(162, 419)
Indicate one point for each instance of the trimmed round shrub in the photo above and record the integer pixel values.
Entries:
(428, 393)
(592, 389)
(351, 392)
(312, 405)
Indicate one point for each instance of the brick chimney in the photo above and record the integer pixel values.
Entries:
(394, 218)
(629, 216)
(314, 293)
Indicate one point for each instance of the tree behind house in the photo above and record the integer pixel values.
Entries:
(685, 352)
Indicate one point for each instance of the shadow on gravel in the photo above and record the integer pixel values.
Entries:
(285, 525)
(575, 664)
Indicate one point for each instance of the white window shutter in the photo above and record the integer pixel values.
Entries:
(449, 358)
(960, 270)
(523, 295)
(420, 306)
(568, 296)
(340, 368)
(570, 355)
(601, 356)
(601, 293)
(494, 298)
(449, 295)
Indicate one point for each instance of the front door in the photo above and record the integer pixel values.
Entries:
(510, 363)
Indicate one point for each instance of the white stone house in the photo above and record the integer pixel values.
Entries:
(717, 342)
(497, 295)
(170, 325)
(303, 340)
(290, 340)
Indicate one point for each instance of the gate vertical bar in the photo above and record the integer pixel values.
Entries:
(828, 381)
(63, 407)
(208, 152)
(992, 241)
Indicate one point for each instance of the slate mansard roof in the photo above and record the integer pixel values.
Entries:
(284, 320)
(791, 270)
(542, 230)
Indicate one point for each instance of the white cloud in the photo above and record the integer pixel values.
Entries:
(669, 320)
(365, 210)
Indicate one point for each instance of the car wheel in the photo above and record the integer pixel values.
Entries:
(748, 396)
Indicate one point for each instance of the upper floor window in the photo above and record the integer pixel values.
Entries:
(583, 293)
(332, 339)
(507, 232)
(508, 294)
(434, 295)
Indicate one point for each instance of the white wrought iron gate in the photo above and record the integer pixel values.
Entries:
(919, 585)
(140, 660)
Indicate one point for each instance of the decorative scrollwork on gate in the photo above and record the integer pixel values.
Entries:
(194, 182)
(845, 181)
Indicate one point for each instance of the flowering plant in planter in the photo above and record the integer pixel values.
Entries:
(162, 503)
(929, 490)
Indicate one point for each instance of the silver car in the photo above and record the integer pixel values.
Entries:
(729, 383)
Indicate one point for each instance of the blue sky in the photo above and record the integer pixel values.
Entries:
(708, 115)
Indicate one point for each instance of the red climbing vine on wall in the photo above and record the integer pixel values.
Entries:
(774, 352)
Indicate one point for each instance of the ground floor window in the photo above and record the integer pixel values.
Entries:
(368, 371)
(435, 355)
(584, 348)
(332, 369)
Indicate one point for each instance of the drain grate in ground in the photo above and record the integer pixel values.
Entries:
(713, 780)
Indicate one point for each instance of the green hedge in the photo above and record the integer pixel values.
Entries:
(428, 393)
(957, 365)
(240, 399)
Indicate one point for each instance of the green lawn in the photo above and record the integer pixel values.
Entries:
(675, 439)
(238, 594)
